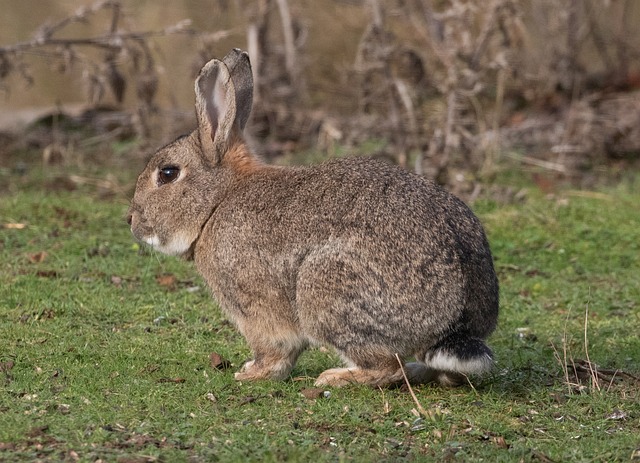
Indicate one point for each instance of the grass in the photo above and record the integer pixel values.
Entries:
(104, 348)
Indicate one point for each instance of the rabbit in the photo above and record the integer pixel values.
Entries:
(355, 254)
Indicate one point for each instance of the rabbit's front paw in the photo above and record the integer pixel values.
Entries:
(248, 372)
(254, 370)
(248, 365)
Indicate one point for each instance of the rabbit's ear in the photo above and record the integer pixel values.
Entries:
(237, 61)
(215, 108)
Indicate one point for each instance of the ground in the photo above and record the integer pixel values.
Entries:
(110, 352)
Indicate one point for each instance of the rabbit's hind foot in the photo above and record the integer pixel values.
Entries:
(451, 361)
(338, 377)
(419, 373)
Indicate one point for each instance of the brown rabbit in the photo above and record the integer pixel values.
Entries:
(355, 254)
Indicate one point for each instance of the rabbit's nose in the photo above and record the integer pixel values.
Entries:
(129, 218)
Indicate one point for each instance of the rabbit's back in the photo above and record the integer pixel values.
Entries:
(358, 250)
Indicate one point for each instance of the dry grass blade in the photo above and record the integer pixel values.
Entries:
(575, 371)
(585, 368)
(421, 410)
(594, 377)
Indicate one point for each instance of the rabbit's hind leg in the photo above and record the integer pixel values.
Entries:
(416, 372)
(338, 377)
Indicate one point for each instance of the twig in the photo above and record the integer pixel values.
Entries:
(597, 37)
(590, 195)
(473, 388)
(539, 163)
(449, 125)
(485, 34)
(115, 18)
(80, 15)
(110, 41)
(604, 374)
(289, 40)
(413, 395)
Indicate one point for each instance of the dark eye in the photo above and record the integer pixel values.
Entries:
(168, 174)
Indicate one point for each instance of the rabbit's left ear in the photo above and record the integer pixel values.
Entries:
(239, 66)
(215, 108)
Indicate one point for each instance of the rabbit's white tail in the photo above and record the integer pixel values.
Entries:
(460, 354)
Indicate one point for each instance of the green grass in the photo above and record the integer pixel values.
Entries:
(104, 349)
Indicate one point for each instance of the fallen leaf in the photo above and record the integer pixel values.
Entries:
(37, 257)
(99, 251)
(312, 393)
(37, 431)
(116, 280)
(172, 380)
(167, 280)
(14, 226)
(617, 415)
(525, 334)
(6, 366)
(218, 362)
(64, 409)
(541, 457)
(500, 442)
(47, 273)
(136, 459)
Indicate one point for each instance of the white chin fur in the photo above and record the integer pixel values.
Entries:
(475, 366)
(177, 246)
(152, 241)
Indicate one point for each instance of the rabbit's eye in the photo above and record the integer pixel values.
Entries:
(168, 174)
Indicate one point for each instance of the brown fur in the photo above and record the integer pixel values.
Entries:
(354, 254)
(240, 159)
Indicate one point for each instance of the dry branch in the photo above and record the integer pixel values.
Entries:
(123, 56)
(449, 85)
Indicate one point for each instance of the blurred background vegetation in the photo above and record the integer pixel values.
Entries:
(452, 89)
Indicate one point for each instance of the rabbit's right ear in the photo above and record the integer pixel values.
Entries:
(215, 108)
